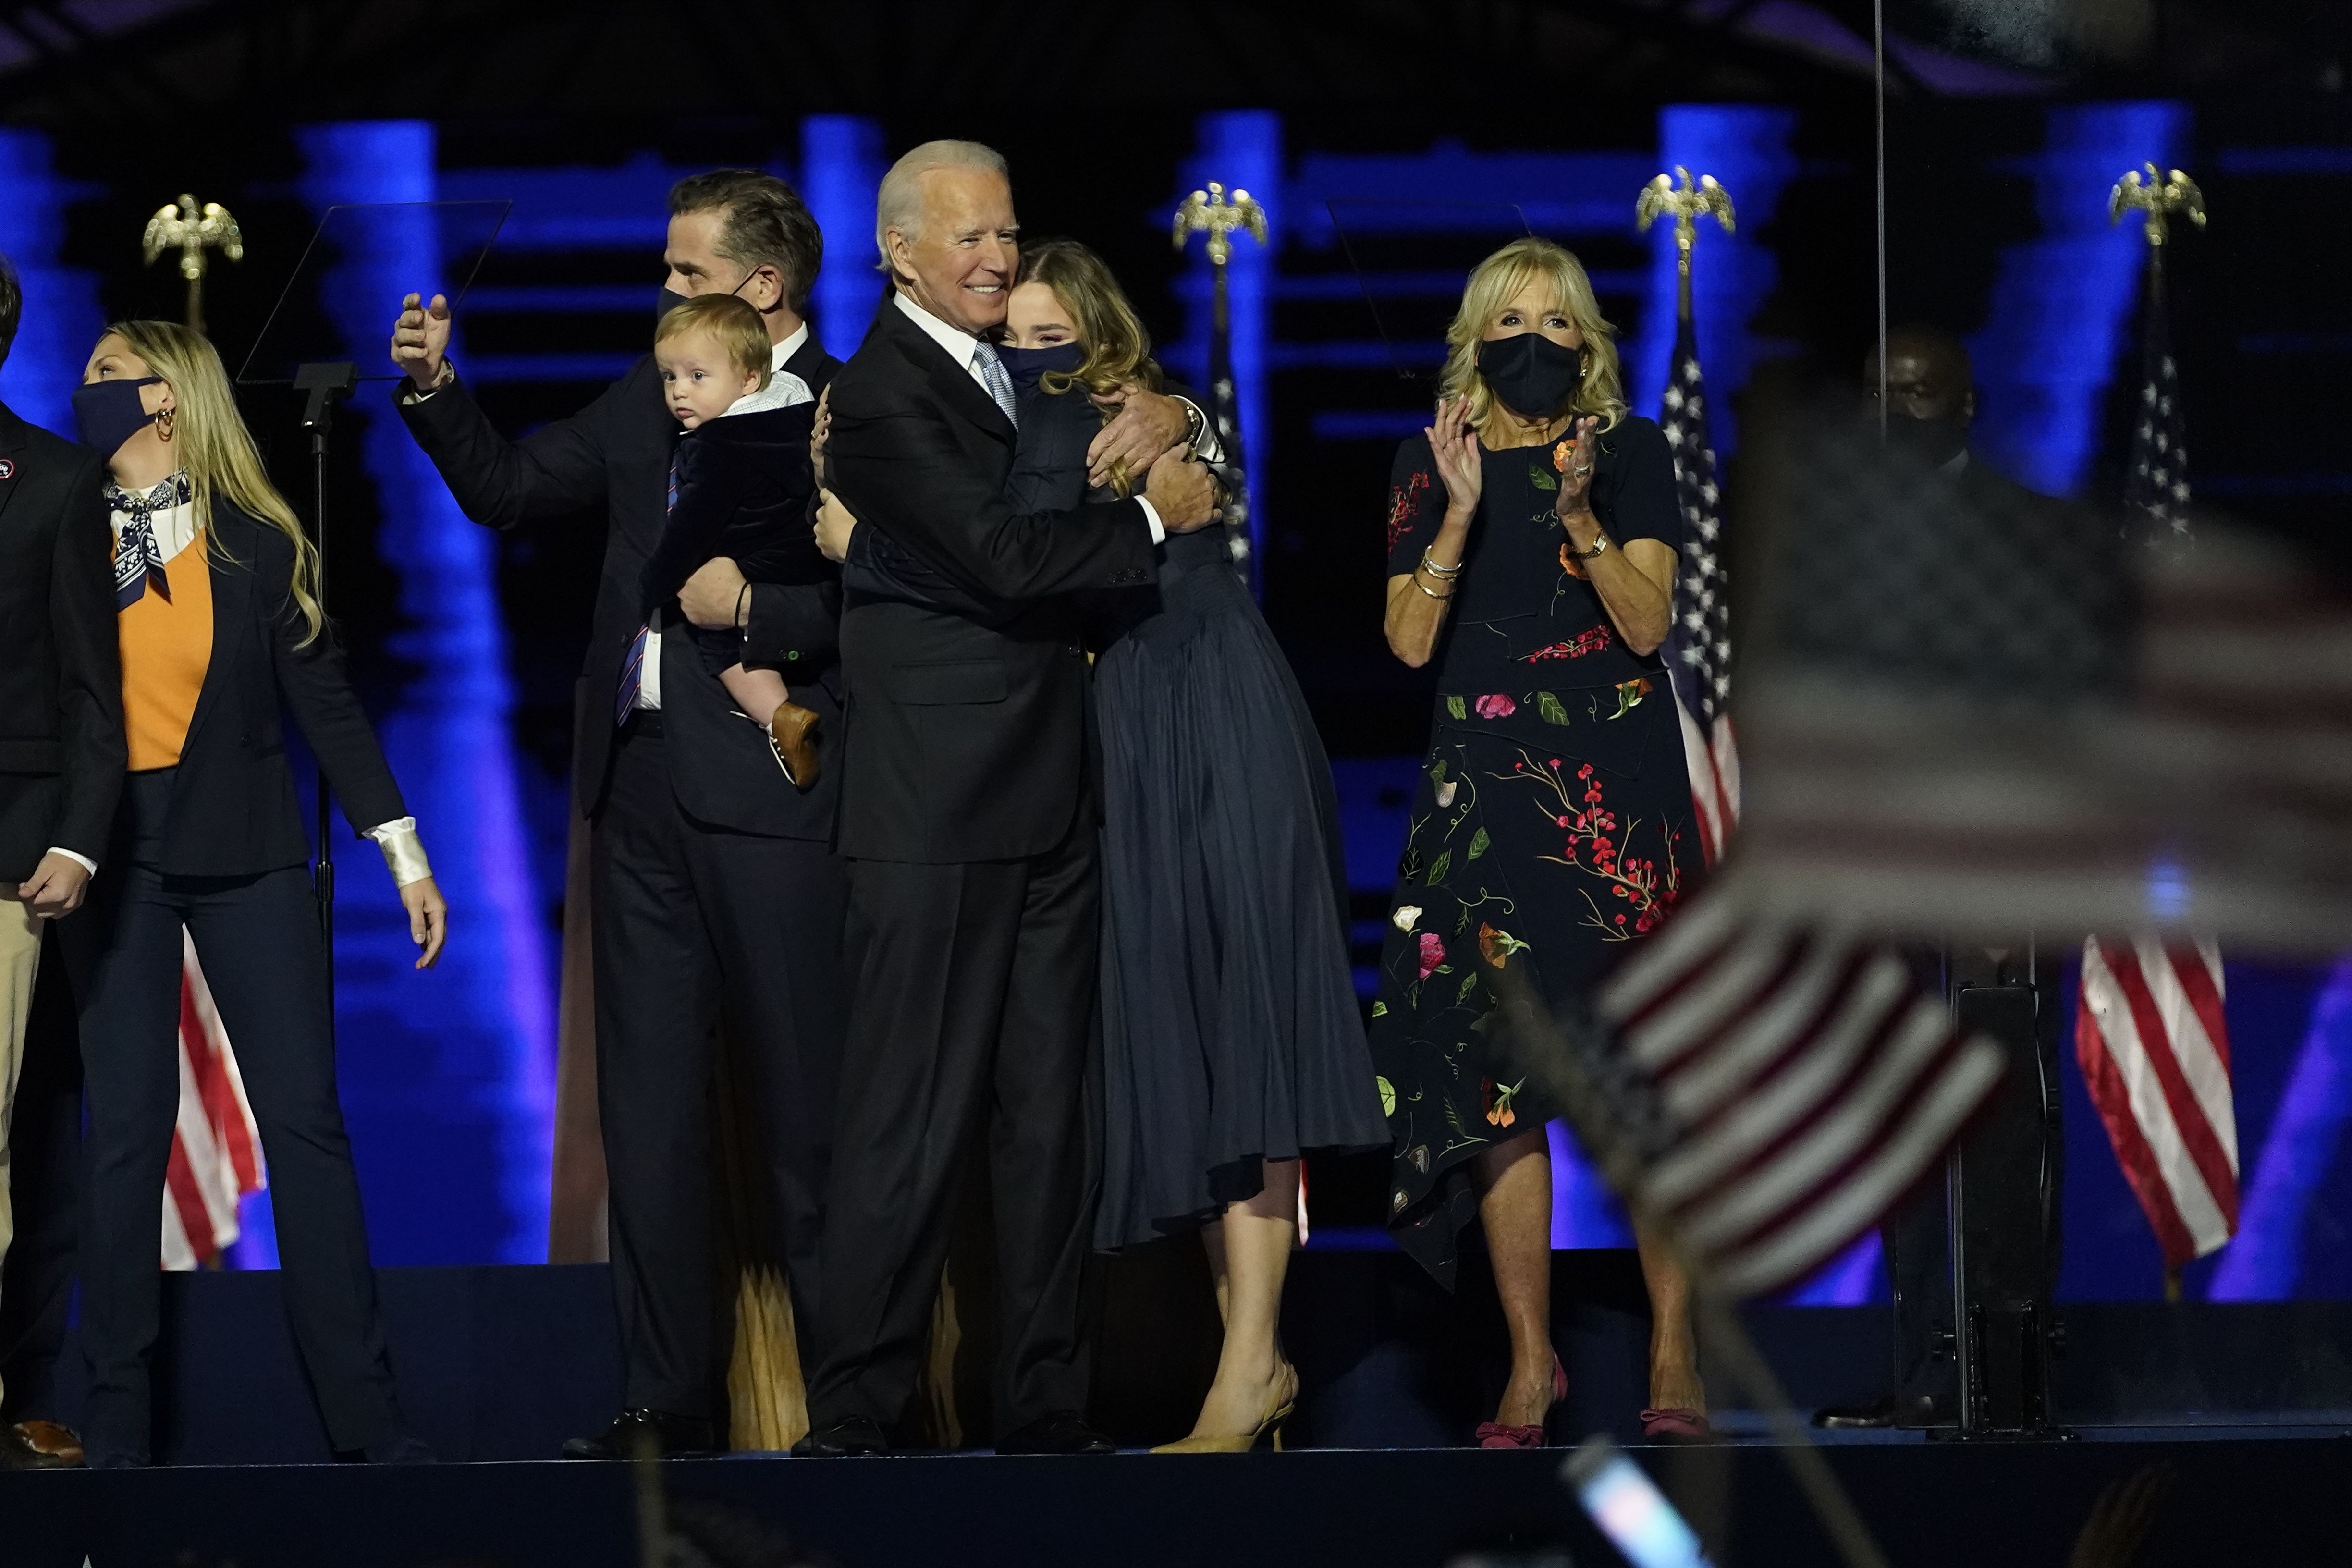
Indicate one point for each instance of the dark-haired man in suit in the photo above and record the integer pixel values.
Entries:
(968, 817)
(61, 761)
(716, 886)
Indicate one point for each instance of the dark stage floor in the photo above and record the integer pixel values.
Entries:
(2248, 1409)
(2016, 1506)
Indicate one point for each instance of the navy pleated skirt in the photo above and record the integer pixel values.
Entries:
(1231, 1030)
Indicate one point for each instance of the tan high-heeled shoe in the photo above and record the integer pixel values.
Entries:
(1241, 1442)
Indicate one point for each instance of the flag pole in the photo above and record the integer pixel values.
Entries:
(1879, 98)
(1547, 1051)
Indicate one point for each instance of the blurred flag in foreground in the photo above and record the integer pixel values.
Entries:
(216, 1147)
(1766, 1090)
(1972, 711)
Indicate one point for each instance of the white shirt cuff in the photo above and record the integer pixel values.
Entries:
(404, 852)
(1151, 517)
(86, 863)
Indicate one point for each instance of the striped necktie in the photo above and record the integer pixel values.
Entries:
(633, 663)
(997, 379)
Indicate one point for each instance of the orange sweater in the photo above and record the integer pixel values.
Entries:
(167, 646)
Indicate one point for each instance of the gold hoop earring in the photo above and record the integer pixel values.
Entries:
(163, 423)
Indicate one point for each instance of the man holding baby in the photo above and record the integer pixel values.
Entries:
(716, 890)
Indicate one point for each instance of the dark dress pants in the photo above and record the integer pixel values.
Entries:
(44, 1177)
(696, 924)
(258, 940)
(973, 992)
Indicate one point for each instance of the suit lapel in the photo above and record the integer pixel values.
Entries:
(232, 607)
(13, 438)
(951, 380)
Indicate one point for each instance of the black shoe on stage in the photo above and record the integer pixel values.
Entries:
(400, 1448)
(636, 1434)
(852, 1436)
(1063, 1432)
(1886, 1412)
(39, 1445)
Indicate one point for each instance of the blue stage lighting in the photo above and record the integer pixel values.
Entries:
(842, 164)
(448, 1077)
(62, 317)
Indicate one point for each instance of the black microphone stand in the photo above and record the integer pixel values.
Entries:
(322, 385)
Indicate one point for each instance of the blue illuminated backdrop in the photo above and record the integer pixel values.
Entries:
(448, 1077)
(62, 316)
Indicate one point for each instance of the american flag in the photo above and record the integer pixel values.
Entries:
(2149, 1033)
(2155, 1053)
(216, 1147)
(2156, 485)
(1224, 411)
(1768, 1090)
(1701, 661)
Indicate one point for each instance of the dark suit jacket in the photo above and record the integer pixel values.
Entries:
(967, 737)
(743, 489)
(616, 451)
(61, 745)
(234, 811)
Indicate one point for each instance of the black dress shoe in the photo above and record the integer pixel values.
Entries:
(852, 1436)
(640, 1433)
(400, 1448)
(1886, 1412)
(1063, 1432)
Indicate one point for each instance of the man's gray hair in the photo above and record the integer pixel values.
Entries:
(900, 203)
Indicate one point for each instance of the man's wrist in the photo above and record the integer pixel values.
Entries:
(78, 858)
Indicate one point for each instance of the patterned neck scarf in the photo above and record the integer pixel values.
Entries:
(137, 560)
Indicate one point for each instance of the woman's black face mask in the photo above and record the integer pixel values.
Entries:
(1533, 375)
(108, 412)
(1026, 365)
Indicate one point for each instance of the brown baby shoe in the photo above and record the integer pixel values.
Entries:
(792, 735)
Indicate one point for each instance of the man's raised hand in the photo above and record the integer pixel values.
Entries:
(420, 340)
(1181, 491)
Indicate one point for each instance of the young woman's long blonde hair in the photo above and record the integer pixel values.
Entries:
(217, 452)
(1495, 283)
(1118, 349)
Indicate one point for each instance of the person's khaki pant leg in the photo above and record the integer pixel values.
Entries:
(20, 959)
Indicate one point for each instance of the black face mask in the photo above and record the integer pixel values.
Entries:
(1533, 375)
(669, 300)
(1026, 365)
(108, 412)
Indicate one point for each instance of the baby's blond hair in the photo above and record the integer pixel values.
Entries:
(727, 320)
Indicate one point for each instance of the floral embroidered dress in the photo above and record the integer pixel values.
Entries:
(1553, 824)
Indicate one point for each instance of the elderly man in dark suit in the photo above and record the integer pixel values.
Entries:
(61, 761)
(969, 818)
(716, 886)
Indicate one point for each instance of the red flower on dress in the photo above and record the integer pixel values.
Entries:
(1405, 500)
(1495, 705)
(1432, 953)
(1582, 643)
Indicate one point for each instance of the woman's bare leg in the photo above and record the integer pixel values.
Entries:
(1249, 1253)
(1674, 1347)
(1515, 1207)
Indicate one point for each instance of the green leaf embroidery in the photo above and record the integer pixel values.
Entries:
(1387, 1097)
(1454, 706)
(1550, 707)
(1439, 866)
(1478, 843)
(1437, 772)
(1379, 1009)
(1462, 923)
(1541, 479)
(1469, 982)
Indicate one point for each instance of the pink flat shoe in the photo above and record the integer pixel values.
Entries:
(1675, 1426)
(1495, 1435)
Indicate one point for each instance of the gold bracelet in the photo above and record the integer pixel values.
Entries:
(1425, 588)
